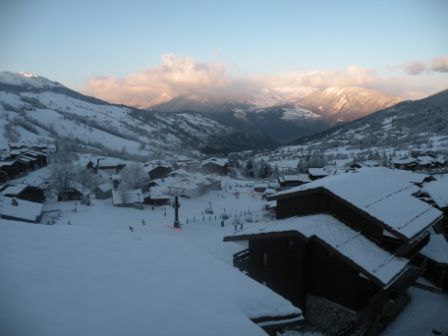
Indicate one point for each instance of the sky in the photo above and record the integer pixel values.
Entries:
(146, 52)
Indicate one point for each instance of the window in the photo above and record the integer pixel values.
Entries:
(265, 259)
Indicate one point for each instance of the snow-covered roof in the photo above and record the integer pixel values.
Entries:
(304, 178)
(79, 187)
(376, 262)
(157, 193)
(438, 191)
(317, 172)
(124, 283)
(406, 160)
(127, 197)
(6, 163)
(386, 194)
(14, 190)
(217, 161)
(105, 187)
(20, 209)
(184, 184)
(110, 162)
(437, 249)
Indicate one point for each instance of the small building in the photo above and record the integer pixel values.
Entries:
(289, 181)
(367, 163)
(156, 196)
(103, 191)
(260, 187)
(127, 198)
(186, 188)
(20, 210)
(13, 168)
(75, 192)
(187, 163)
(215, 166)
(25, 192)
(317, 173)
(110, 165)
(157, 169)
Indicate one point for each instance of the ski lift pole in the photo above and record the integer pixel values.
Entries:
(176, 212)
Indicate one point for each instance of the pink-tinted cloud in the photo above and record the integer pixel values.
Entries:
(440, 64)
(415, 68)
(183, 76)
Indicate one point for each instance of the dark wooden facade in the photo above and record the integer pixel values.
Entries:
(30, 193)
(299, 268)
(293, 266)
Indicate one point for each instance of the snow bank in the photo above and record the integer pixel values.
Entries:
(71, 280)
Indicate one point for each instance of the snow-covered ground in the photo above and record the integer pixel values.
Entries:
(426, 312)
(89, 274)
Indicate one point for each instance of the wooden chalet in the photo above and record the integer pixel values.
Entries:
(217, 166)
(110, 165)
(317, 173)
(339, 278)
(127, 198)
(75, 192)
(12, 169)
(103, 191)
(156, 196)
(344, 248)
(379, 202)
(24, 192)
(289, 181)
(157, 169)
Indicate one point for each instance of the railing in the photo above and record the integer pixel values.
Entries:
(240, 259)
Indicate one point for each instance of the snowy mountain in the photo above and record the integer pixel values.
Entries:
(34, 109)
(287, 119)
(409, 123)
(280, 123)
(346, 104)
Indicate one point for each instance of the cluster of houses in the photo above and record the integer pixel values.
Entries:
(421, 161)
(346, 247)
(163, 180)
(20, 159)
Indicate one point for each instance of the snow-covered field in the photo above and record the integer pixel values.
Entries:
(90, 274)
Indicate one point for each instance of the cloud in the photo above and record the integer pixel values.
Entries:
(185, 77)
(415, 68)
(176, 76)
(440, 64)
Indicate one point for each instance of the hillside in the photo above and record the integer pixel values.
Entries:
(406, 124)
(34, 109)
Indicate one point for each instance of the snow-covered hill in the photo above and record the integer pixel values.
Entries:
(407, 124)
(34, 109)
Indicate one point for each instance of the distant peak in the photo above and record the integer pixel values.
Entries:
(27, 79)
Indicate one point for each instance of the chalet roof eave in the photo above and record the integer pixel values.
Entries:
(294, 193)
(255, 236)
